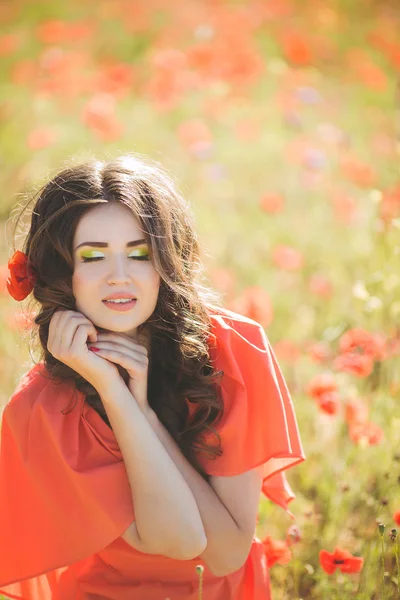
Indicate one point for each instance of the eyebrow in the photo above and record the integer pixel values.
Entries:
(105, 245)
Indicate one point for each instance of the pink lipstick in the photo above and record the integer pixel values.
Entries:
(120, 306)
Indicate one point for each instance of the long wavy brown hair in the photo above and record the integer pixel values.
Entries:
(180, 326)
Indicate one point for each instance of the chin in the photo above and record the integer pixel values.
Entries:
(121, 328)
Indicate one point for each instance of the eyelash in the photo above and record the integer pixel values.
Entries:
(93, 258)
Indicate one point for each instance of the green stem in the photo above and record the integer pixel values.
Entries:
(200, 571)
(383, 567)
(295, 577)
(396, 553)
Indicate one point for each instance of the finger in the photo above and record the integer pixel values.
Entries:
(54, 321)
(93, 332)
(123, 341)
(69, 327)
(64, 328)
(80, 337)
(113, 346)
(55, 331)
(122, 359)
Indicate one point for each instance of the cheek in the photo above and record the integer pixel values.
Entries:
(80, 281)
(151, 277)
(155, 282)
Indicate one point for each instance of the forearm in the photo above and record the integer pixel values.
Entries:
(221, 530)
(166, 512)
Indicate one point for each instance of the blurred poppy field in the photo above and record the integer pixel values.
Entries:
(280, 121)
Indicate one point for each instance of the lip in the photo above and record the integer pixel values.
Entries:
(123, 307)
(120, 295)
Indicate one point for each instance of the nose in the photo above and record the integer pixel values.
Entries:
(119, 271)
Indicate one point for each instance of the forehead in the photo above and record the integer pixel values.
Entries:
(108, 221)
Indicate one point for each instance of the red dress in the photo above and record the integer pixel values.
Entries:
(65, 498)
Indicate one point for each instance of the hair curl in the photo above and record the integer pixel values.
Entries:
(180, 326)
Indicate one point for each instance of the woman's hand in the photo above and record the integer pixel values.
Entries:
(69, 332)
(130, 355)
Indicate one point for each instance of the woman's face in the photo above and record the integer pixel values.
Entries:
(103, 234)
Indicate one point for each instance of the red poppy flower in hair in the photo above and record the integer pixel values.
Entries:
(22, 276)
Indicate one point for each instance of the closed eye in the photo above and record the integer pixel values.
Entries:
(92, 258)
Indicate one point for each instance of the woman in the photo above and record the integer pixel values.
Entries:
(136, 449)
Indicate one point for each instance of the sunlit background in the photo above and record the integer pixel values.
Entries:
(279, 121)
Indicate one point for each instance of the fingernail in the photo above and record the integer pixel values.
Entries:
(94, 348)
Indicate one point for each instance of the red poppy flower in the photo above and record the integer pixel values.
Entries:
(355, 364)
(329, 403)
(321, 286)
(324, 383)
(340, 559)
(276, 551)
(22, 276)
(297, 49)
(359, 340)
(356, 411)
(367, 432)
(254, 302)
(287, 258)
(272, 202)
(319, 352)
